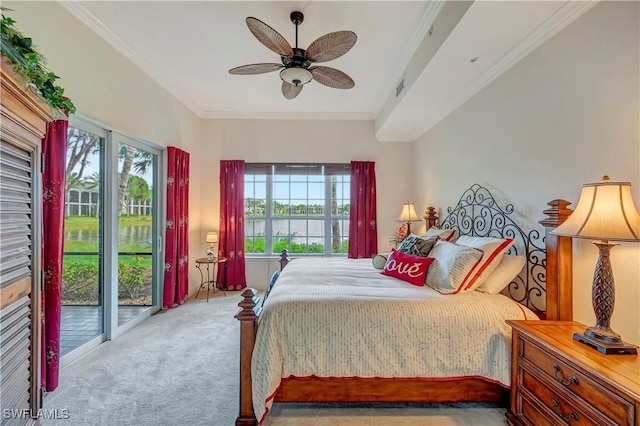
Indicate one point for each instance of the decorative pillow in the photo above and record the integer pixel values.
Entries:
(450, 235)
(409, 268)
(508, 268)
(379, 260)
(272, 282)
(452, 267)
(416, 245)
(494, 250)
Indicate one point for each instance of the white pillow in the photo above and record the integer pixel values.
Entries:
(493, 249)
(452, 267)
(445, 234)
(508, 268)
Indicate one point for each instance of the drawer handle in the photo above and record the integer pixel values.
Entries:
(556, 409)
(572, 379)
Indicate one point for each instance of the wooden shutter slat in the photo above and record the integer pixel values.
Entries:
(15, 344)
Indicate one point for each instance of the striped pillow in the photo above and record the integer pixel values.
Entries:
(508, 269)
(494, 250)
(450, 235)
(452, 267)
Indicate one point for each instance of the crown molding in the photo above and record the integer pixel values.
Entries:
(564, 16)
(284, 115)
(98, 27)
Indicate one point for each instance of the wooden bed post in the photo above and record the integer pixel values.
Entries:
(248, 317)
(559, 264)
(284, 258)
(431, 217)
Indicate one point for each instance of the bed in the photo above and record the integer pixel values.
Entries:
(392, 341)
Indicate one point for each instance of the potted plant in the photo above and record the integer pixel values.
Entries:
(30, 64)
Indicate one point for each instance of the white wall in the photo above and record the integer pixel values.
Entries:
(109, 89)
(565, 115)
(306, 141)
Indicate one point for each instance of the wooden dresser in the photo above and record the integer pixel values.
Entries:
(557, 380)
(24, 118)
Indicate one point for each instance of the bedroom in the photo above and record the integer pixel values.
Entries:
(562, 116)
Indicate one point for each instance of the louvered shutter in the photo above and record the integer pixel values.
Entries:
(16, 285)
(23, 123)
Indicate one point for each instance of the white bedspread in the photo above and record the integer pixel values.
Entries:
(336, 317)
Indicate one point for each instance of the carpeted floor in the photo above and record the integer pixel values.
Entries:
(180, 368)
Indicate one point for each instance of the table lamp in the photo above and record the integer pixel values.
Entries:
(408, 215)
(212, 237)
(605, 212)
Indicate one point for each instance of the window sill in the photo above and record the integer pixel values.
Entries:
(277, 255)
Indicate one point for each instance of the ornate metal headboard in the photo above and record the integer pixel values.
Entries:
(478, 214)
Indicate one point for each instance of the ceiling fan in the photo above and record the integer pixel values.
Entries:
(297, 68)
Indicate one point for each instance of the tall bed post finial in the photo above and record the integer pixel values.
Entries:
(248, 317)
(431, 217)
(284, 258)
(559, 263)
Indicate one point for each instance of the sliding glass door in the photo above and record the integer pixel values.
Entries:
(137, 229)
(111, 277)
(82, 318)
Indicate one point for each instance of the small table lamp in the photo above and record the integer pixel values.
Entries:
(212, 237)
(604, 212)
(408, 215)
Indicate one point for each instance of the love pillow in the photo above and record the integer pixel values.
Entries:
(407, 267)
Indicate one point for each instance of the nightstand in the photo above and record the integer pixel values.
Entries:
(556, 380)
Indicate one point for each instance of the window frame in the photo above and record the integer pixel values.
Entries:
(269, 170)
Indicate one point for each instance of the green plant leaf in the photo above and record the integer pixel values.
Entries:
(29, 63)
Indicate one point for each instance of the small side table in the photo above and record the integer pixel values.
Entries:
(211, 273)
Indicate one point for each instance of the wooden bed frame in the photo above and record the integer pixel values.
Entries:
(558, 271)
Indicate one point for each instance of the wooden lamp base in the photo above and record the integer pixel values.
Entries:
(601, 336)
(607, 348)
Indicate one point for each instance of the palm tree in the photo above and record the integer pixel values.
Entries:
(336, 243)
(80, 145)
(128, 154)
(93, 182)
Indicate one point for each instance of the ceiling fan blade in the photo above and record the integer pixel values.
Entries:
(332, 77)
(331, 46)
(254, 69)
(290, 91)
(269, 37)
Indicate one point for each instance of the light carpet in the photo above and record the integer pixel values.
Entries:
(180, 367)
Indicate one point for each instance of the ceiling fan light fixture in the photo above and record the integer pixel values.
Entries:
(296, 76)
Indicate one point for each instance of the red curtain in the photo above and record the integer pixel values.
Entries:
(176, 254)
(54, 147)
(363, 229)
(231, 233)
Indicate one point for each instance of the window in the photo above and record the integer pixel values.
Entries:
(300, 207)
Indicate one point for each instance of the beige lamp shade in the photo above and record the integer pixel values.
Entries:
(605, 212)
(212, 237)
(408, 213)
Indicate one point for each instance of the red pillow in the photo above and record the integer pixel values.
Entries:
(407, 267)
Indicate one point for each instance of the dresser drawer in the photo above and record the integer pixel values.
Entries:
(533, 415)
(563, 407)
(601, 399)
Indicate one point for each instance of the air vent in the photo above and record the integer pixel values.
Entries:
(400, 88)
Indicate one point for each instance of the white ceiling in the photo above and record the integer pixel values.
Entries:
(188, 48)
